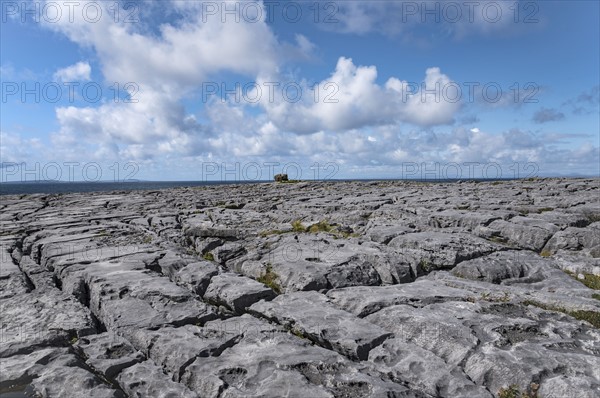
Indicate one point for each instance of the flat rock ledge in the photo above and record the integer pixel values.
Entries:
(306, 289)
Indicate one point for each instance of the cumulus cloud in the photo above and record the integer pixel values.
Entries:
(361, 124)
(77, 72)
(545, 115)
(14, 148)
(351, 99)
(426, 21)
(166, 65)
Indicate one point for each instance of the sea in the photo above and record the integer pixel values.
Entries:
(54, 187)
(57, 187)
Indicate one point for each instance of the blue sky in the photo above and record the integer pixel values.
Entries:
(401, 89)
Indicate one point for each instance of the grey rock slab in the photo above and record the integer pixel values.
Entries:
(524, 232)
(65, 256)
(385, 233)
(67, 376)
(364, 300)
(12, 280)
(126, 294)
(570, 386)
(200, 228)
(40, 277)
(525, 363)
(204, 245)
(20, 370)
(562, 219)
(176, 348)
(309, 261)
(108, 353)
(147, 379)
(424, 371)
(290, 276)
(120, 256)
(438, 250)
(574, 262)
(129, 312)
(247, 327)
(34, 320)
(573, 239)
(261, 367)
(196, 276)
(236, 292)
(499, 266)
(13, 285)
(435, 331)
(170, 263)
(228, 251)
(311, 314)
(466, 220)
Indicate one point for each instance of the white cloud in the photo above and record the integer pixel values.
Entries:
(372, 126)
(351, 98)
(77, 72)
(167, 65)
(14, 148)
(304, 45)
(426, 21)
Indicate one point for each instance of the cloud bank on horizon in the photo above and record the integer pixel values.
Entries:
(373, 88)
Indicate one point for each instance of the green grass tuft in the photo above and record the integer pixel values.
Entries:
(545, 209)
(297, 226)
(425, 265)
(208, 256)
(513, 391)
(321, 226)
(269, 278)
(590, 280)
(592, 317)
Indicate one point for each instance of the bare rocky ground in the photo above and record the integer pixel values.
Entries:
(313, 289)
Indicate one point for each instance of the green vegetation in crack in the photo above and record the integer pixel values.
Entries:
(269, 278)
(270, 232)
(322, 226)
(208, 256)
(592, 317)
(513, 391)
(590, 280)
(297, 226)
(425, 265)
(544, 209)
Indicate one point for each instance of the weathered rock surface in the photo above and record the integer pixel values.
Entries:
(311, 289)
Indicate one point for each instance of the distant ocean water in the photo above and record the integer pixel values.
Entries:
(20, 188)
(50, 187)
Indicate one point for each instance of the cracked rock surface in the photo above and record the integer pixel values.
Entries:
(310, 289)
